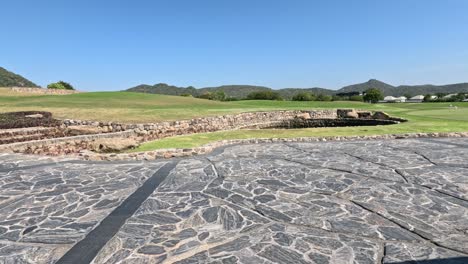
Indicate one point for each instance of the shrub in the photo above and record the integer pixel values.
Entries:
(60, 85)
(217, 96)
(373, 95)
(264, 95)
(357, 98)
(323, 97)
(303, 96)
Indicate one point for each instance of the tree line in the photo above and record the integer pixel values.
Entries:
(371, 95)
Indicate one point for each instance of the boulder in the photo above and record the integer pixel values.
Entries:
(35, 116)
(380, 115)
(364, 114)
(352, 114)
(83, 130)
(114, 144)
(303, 116)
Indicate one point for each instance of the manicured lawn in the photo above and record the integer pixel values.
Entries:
(139, 108)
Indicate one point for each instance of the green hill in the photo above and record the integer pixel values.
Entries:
(241, 91)
(233, 91)
(10, 79)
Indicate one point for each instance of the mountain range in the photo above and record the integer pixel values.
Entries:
(241, 91)
(10, 79)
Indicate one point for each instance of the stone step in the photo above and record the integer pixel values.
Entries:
(22, 138)
(25, 131)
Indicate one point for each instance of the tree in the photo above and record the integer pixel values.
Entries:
(264, 95)
(373, 95)
(217, 96)
(60, 85)
(323, 97)
(303, 96)
(357, 98)
(427, 98)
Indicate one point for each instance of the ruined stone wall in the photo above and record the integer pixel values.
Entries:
(36, 90)
(204, 124)
(62, 146)
(153, 131)
(150, 131)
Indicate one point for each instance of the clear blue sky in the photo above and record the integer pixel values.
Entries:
(113, 45)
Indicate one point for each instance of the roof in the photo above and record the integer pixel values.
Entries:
(417, 97)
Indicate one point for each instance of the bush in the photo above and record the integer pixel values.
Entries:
(357, 98)
(323, 97)
(217, 96)
(373, 95)
(60, 85)
(264, 95)
(303, 96)
(19, 120)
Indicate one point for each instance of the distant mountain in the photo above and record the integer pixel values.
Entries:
(162, 88)
(432, 89)
(387, 89)
(234, 91)
(410, 90)
(10, 79)
(241, 91)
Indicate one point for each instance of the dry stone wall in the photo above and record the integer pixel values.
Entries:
(153, 131)
(36, 90)
(205, 149)
(205, 124)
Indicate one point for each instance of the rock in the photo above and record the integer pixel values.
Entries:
(364, 114)
(114, 145)
(303, 116)
(35, 116)
(83, 130)
(380, 115)
(352, 114)
(151, 250)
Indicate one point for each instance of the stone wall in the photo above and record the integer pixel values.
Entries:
(171, 153)
(62, 146)
(153, 131)
(27, 134)
(160, 130)
(36, 90)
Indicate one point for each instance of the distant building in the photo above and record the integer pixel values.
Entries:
(391, 99)
(448, 96)
(416, 99)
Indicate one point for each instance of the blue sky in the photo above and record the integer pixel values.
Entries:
(113, 45)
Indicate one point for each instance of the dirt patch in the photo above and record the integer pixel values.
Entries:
(27, 119)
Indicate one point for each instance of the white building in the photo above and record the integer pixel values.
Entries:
(416, 99)
(448, 96)
(391, 99)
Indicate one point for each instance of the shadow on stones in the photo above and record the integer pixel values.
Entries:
(460, 260)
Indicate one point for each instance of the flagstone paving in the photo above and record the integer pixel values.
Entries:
(325, 202)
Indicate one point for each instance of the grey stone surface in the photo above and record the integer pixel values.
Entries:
(325, 202)
(46, 207)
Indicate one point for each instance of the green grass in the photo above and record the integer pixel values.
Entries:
(138, 108)
(427, 117)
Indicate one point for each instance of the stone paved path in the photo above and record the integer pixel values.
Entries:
(329, 202)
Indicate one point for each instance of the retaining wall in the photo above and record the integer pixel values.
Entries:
(205, 149)
(36, 90)
(153, 131)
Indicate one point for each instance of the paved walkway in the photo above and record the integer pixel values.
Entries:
(331, 202)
